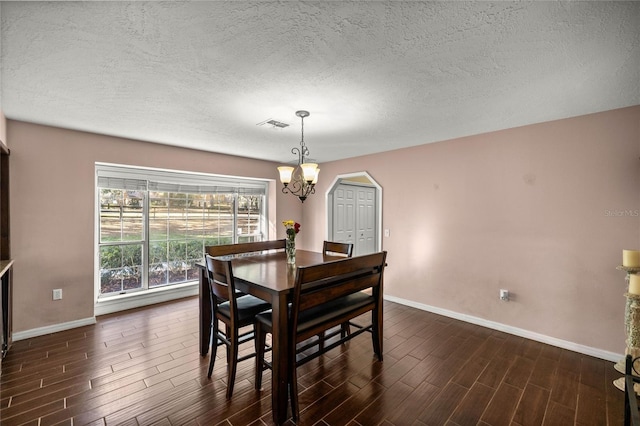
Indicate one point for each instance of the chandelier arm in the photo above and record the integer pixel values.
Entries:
(296, 151)
(298, 186)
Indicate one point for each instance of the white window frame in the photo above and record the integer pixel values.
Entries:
(163, 180)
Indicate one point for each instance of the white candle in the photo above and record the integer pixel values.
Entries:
(634, 283)
(631, 258)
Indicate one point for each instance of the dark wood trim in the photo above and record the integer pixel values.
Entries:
(5, 240)
(6, 291)
(6, 304)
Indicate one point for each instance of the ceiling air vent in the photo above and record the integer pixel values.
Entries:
(273, 123)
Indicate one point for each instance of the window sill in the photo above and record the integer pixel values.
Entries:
(122, 302)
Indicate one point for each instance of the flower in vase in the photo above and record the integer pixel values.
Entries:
(292, 228)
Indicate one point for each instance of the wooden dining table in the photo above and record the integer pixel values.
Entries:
(269, 277)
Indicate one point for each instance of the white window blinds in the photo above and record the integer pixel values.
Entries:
(146, 179)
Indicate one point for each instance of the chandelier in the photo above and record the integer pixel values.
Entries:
(300, 180)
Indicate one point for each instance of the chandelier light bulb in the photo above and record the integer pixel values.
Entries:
(285, 174)
(309, 171)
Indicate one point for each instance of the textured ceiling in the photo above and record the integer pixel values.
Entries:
(375, 76)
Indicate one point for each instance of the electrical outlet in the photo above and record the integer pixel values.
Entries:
(504, 295)
(57, 294)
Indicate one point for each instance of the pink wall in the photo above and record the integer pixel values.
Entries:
(531, 209)
(52, 214)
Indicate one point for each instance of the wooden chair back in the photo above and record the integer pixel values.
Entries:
(330, 247)
(227, 249)
(319, 284)
(221, 285)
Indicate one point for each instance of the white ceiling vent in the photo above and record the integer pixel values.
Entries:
(273, 123)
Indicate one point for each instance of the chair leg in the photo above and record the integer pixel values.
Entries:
(260, 342)
(293, 387)
(214, 346)
(345, 329)
(232, 357)
(227, 332)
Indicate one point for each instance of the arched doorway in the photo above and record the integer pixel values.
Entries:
(354, 212)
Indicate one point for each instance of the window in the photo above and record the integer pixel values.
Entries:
(153, 224)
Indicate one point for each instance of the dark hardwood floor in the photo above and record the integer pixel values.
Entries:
(142, 367)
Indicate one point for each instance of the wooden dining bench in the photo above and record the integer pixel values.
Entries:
(324, 296)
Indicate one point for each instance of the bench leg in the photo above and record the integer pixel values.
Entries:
(376, 332)
(345, 329)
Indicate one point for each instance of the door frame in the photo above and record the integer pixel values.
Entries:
(342, 179)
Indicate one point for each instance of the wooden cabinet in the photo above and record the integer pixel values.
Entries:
(5, 302)
(5, 241)
(6, 264)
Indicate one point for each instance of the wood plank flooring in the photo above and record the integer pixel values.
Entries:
(142, 367)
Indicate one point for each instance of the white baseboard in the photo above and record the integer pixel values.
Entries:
(120, 304)
(564, 344)
(115, 304)
(41, 331)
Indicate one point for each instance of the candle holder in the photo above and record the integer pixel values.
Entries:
(631, 326)
(628, 269)
(619, 366)
(632, 329)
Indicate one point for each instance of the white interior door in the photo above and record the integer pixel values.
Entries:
(354, 217)
(365, 221)
(344, 214)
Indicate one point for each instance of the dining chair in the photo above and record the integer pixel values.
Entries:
(243, 248)
(235, 311)
(333, 248)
